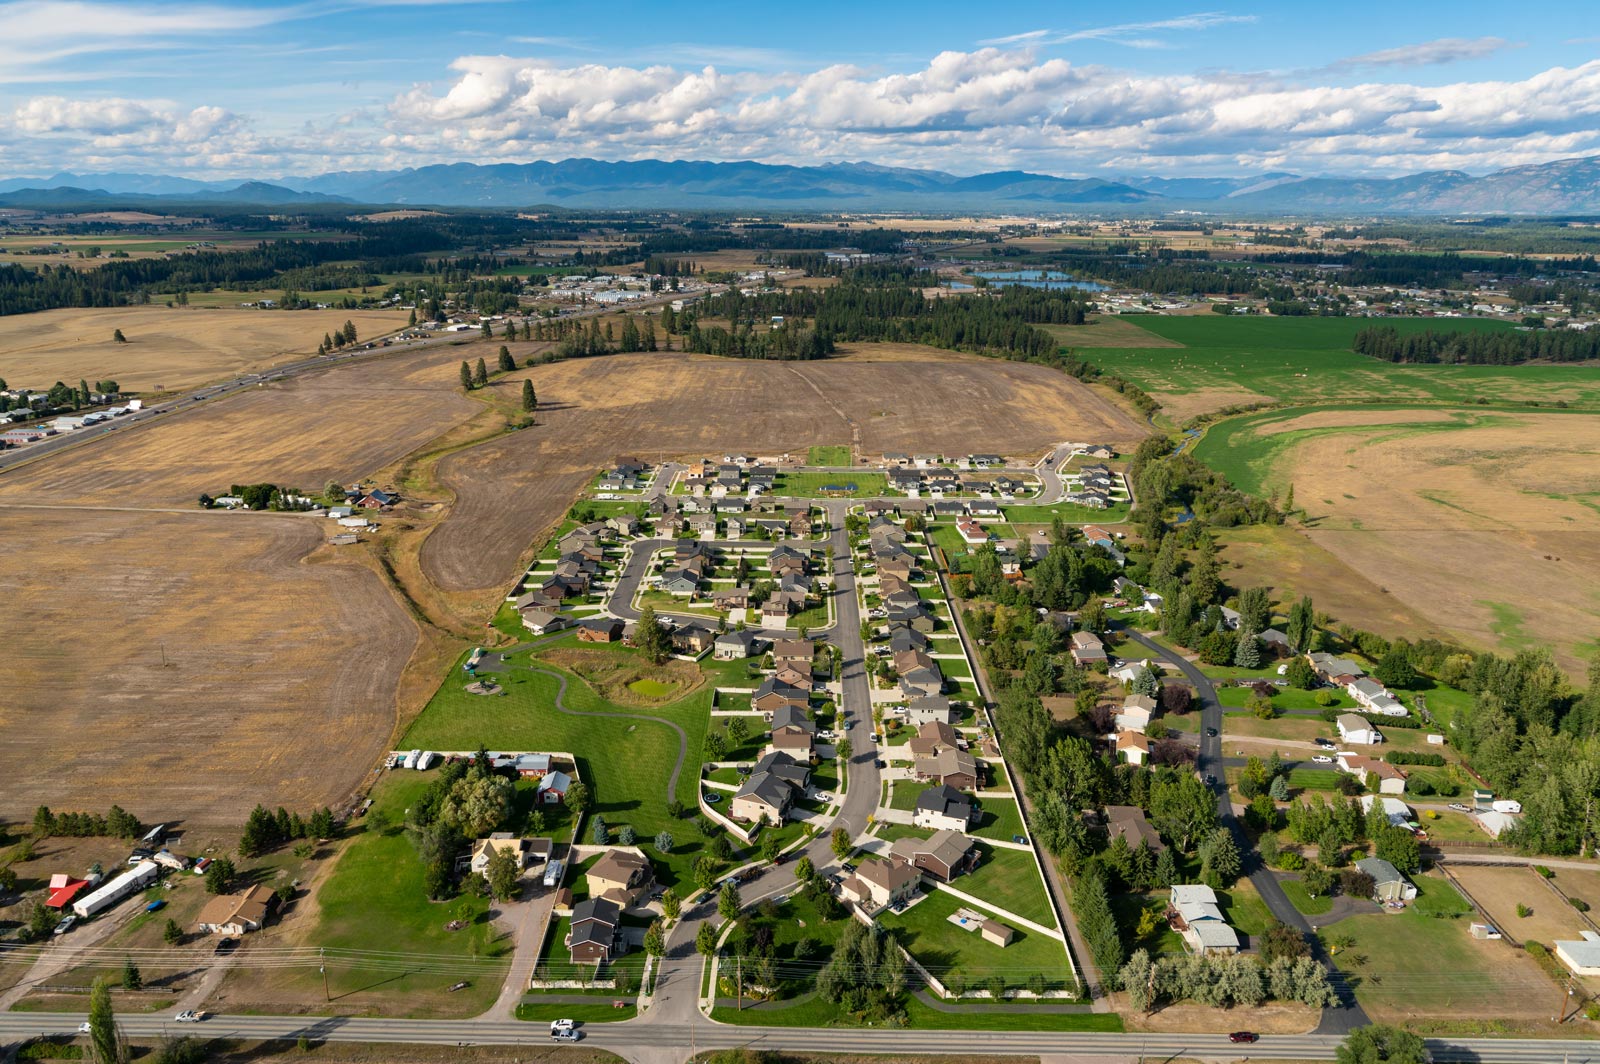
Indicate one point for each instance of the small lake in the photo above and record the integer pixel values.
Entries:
(1054, 279)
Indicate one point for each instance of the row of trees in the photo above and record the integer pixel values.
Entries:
(1223, 981)
(265, 830)
(1500, 347)
(116, 823)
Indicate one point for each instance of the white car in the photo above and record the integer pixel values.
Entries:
(562, 1025)
(1323, 759)
(190, 1016)
(84, 1028)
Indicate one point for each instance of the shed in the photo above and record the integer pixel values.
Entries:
(996, 932)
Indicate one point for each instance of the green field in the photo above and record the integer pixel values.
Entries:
(625, 762)
(942, 947)
(831, 456)
(1309, 360)
(810, 485)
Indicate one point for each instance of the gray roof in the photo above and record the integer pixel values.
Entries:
(1380, 870)
(599, 909)
(946, 800)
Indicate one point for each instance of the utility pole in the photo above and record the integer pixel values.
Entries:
(739, 982)
(322, 966)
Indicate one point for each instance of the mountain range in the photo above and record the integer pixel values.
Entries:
(1569, 186)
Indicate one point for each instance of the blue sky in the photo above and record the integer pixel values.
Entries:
(215, 89)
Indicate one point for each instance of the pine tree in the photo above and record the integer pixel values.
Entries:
(1247, 651)
(530, 401)
(507, 363)
(105, 1040)
(466, 376)
(131, 977)
(117, 337)
(413, 319)
(349, 332)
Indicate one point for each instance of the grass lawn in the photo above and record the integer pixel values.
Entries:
(374, 897)
(1011, 880)
(833, 456)
(811, 485)
(625, 762)
(1436, 897)
(1305, 902)
(906, 792)
(1311, 779)
(1302, 729)
(535, 1011)
(815, 1012)
(895, 832)
(1284, 698)
(998, 818)
(1244, 908)
(942, 947)
(1162, 940)
(665, 602)
(1116, 513)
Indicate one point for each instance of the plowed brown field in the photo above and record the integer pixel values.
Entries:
(885, 397)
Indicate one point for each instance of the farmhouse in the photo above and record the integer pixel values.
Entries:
(484, 849)
(1196, 916)
(1335, 670)
(876, 885)
(593, 938)
(235, 914)
(943, 808)
(1389, 883)
(622, 876)
(944, 855)
(1390, 780)
(1357, 730)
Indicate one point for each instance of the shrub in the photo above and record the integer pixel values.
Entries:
(1324, 697)
(1543, 871)
(1523, 910)
(1579, 904)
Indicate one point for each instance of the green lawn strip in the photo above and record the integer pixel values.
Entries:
(942, 947)
(1309, 779)
(998, 818)
(815, 1012)
(906, 792)
(1069, 512)
(1244, 908)
(374, 896)
(1436, 897)
(1009, 879)
(625, 762)
(1284, 698)
(541, 1012)
(894, 832)
(1303, 901)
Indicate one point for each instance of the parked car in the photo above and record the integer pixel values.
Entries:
(64, 926)
(1322, 759)
(156, 906)
(1243, 1036)
(226, 946)
(1458, 807)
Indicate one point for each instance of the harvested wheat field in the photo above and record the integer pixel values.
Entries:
(191, 664)
(168, 348)
(340, 424)
(1487, 526)
(883, 396)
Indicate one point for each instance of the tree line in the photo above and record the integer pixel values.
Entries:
(1500, 347)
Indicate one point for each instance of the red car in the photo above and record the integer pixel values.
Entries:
(1243, 1036)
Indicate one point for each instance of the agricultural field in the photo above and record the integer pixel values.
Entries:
(340, 424)
(199, 666)
(168, 348)
(662, 405)
(1226, 361)
(1481, 522)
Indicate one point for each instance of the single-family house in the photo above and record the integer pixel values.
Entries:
(593, 937)
(929, 709)
(876, 885)
(949, 765)
(914, 616)
(1129, 671)
(731, 646)
(797, 653)
(693, 638)
(943, 808)
(1374, 697)
(1581, 954)
(1335, 670)
(944, 855)
(1275, 642)
(63, 888)
(531, 766)
(1135, 714)
(622, 876)
(543, 622)
(1357, 730)
(484, 849)
(770, 790)
(1197, 917)
(971, 531)
(932, 737)
(235, 914)
(599, 630)
(1398, 812)
(1133, 747)
(731, 598)
(1087, 648)
(1388, 882)
(1372, 772)
(774, 694)
(1130, 822)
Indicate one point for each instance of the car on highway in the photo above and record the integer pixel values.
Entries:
(568, 1034)
(563, 1025)
(190, 1016)
(1211, 733)
(1243, 1036)
(1322, 759)
(84, 1028)
(1210, 779)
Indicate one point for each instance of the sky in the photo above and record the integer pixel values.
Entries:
(255, 90)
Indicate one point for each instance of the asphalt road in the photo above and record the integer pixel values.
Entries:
(1336, 1019)
(652, 1039)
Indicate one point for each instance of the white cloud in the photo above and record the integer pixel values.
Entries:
(1428, 53)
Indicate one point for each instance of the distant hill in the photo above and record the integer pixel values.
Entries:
(1570, 186)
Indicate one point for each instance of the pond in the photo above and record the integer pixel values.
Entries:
(1052, 279)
